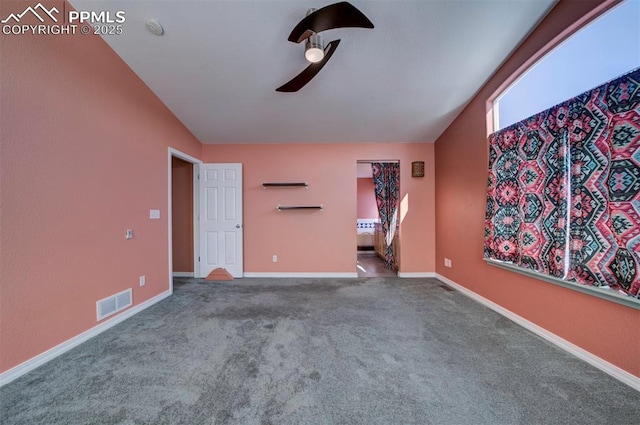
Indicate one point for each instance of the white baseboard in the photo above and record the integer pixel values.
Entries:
(416, 274)
(50, 354)
(182, 274)
(608, 368)
(300, 274)
(330, 275)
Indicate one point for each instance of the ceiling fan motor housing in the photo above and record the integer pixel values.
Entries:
(314, 48)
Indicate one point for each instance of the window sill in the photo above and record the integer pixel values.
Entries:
(607, 294)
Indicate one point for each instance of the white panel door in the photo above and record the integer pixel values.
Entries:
(220, 218)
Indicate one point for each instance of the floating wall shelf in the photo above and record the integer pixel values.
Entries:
(299, 207)
(301, 184)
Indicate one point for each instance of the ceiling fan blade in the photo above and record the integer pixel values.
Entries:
(300, 80)
(339, 15)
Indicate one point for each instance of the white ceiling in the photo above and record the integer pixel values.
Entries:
(219, 62)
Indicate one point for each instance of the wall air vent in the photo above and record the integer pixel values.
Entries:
(113, 304)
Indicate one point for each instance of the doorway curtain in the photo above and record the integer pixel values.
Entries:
(386, 181)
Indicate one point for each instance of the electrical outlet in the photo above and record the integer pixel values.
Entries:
(129, 234)
(447, 262)
(143, 281)
(275, 259)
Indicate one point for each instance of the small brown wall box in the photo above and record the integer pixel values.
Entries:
(417, 169)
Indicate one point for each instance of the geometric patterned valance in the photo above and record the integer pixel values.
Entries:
(563, 194)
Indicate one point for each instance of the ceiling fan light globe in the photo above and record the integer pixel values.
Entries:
(314, 54)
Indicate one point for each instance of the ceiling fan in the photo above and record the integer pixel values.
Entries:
(338, 15)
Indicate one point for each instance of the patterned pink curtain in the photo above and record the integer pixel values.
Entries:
(386, 180)
(563, 194)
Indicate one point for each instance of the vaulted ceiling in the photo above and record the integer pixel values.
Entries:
(218, 63)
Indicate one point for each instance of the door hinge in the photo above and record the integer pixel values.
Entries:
(198, 259)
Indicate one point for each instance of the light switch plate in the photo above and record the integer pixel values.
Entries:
(154, 214)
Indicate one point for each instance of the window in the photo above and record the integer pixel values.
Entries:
(563, 196)
(603, 50)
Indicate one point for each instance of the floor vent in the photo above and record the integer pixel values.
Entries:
(447, 288)
(113, 304)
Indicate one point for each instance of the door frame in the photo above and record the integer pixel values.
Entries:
(196, 166)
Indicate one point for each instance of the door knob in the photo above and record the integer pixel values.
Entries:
(237, 226)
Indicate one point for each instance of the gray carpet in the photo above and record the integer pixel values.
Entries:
(273, 351)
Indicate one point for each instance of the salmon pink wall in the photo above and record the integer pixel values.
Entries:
(324, 241)
(84, 157)
(367, 207)
(601, 327)
(182, 215)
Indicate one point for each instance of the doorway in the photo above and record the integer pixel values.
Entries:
(370, 235)
(182, 207)
(182, 217)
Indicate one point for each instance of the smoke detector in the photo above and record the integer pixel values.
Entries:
(154, 27)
